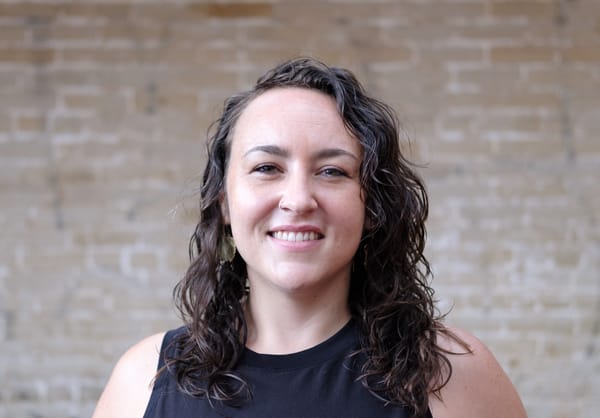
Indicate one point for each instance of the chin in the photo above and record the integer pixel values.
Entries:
(300, 282)
(296, 284)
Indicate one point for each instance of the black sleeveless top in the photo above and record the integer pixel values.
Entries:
(320, 382)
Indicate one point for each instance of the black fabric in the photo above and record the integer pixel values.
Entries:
(317, 383)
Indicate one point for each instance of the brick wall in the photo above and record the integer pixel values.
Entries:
(104, 109)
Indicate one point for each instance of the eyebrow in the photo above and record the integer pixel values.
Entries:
(268, 149)
(319, 155)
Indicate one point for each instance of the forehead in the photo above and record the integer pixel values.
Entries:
(290, 96)
(293, 114)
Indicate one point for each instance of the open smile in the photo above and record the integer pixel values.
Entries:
(296, 236)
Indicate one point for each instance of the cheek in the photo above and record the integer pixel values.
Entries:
(349, 212)
(357, 223)
(246, 207)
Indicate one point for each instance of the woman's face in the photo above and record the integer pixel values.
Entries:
(293, 194)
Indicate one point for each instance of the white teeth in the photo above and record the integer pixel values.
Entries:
(295, 236)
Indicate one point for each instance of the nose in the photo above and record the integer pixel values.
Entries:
(297, 195)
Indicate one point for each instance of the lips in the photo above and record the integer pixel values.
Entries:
(293, 236)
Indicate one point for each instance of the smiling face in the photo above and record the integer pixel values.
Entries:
(293, 194)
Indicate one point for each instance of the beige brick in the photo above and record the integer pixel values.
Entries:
(5, 122)
(179, 262)
(125, 31)
(69, 124)
(94, 10)
(489, 32)
(550, 76)
(108, 237)
(82, 101)
(532, 9)
(231, 10)
(586, 146)
(28, 9)
(523, 54)
(456, 122)
(421, 14)
(12, 34)
(178, 101)
(499, 97)
(41, 56)
(33, 123)
(104, 56)
(449, 54)
(68, 260)
(503, 100)
(589, 54)
(107, 260)
(144, 260)
(455, 149)
(378, 54)
(74, 174)
(202, 56)
(69, 154)
(567, 258)
(65, 34)
(511, 123)
(489, 78)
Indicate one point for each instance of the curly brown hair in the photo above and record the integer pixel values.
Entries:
(390, 297)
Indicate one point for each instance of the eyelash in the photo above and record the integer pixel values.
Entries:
(265, 168)
(328, 171)
(334, 172)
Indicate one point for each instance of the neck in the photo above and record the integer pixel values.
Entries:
(294, 322)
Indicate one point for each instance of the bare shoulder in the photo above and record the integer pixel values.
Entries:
(130, 385)
(478, 387)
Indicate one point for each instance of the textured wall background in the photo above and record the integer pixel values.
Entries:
(104, 107)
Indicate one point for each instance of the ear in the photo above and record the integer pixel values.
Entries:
(224, 206)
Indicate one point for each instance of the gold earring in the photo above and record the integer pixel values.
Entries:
(227, 248)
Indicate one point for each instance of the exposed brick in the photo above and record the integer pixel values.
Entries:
(32, 10)
(27, 56)
(105, 56)
(231, 10)
(492, 32)
(489, 78)
(64, 35)
(530, 123)
(128, 32)
(106, 260)
(12, 34)
(502, 100)
(105, 111)
(151, 102)
(32, 123)
(69, 124)
(449, 55)
(589, 54)
(82, 101)
(522, 54)
(93, 10)
(144, 260)
(532, 9)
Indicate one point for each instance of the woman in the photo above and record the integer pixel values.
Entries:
(307, 294)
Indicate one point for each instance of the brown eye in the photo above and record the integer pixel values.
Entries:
(265, 168)
(333, 172)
